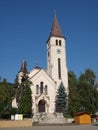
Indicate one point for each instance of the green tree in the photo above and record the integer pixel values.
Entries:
(25, 105)
(5, 98)
(96, 99)
(88, 76)
(73, 97)
(23, 95)
(15, 86)
(61, 99)
(86, 91)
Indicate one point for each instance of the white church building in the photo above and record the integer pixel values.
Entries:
(45, 82)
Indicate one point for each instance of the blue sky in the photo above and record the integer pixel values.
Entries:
(25, 26)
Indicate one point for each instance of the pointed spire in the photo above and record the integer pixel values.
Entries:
(23, 66)
(55, 30)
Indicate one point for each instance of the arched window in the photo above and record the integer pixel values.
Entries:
(59, 42)
(56, 42)
(37, 89)
(41, 87)
(46, 89)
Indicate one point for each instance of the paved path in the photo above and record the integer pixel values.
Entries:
(74, 127)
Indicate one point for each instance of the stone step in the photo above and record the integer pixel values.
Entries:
(38, 117)
(49, 118)
(56, 118)
(54, 121)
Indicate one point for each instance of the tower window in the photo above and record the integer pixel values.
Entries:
(41, 87)
(46, 91)
(56, 42)
(59, 42)
(59, 68)
(37, 89)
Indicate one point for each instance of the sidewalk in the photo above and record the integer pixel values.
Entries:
(72, 127)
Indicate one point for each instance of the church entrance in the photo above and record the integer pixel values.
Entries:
(41, 106)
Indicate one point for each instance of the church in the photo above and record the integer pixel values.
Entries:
(45, 82)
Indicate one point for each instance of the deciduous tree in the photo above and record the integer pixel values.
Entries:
(73, 97)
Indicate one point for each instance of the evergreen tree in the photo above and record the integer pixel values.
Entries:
(61, 99)
(23, 95)
(25, 102)
(15, 87)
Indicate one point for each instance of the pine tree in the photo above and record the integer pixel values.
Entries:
(25, 102)
(15, 87)
(23, 95)
(61, 99)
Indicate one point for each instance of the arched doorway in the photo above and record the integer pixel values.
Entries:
(41, 106)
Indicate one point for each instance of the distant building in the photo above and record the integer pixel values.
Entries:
(46, 82)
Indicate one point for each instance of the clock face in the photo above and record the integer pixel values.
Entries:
(58, 51)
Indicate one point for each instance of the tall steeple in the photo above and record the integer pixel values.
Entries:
(55, 30)
(56, 55)
(23, 66)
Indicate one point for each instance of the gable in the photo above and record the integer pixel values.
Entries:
(41, 75)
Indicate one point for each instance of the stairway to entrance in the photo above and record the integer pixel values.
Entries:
(49, 118)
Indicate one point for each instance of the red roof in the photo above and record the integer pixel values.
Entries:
(55, 30)
(82, 113)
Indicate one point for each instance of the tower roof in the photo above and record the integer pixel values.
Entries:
(55, 30)
(23, 66)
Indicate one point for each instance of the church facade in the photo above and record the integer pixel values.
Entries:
(46, 82)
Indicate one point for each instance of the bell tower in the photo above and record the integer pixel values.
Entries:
(56, 55)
